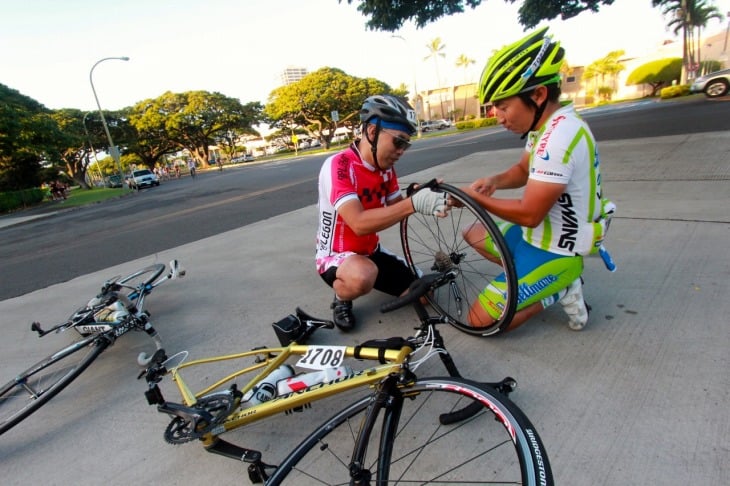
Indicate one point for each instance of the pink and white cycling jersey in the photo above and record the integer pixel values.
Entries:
(344, 177)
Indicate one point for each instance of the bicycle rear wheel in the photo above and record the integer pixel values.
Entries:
(439, 244)
(498, 445)
(31, 389)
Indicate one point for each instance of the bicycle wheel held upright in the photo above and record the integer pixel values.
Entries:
(498, 445)
(32, 388)
(432, 244)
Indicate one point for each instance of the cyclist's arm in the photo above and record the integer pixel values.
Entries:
(368, 221)
(514, 177)
(532, 208)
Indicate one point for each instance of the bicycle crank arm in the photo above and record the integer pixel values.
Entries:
(232, 451)
(192, 415)
(257, 473)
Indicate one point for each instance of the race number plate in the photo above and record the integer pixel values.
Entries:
(322, 357)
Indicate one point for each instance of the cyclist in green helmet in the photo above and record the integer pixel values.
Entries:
(550, 226)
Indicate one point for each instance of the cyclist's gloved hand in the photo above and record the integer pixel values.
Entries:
(430, 203)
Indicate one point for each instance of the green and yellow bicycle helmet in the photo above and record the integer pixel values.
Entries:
(532, 61)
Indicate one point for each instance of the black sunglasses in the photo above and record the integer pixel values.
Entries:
(399, 142)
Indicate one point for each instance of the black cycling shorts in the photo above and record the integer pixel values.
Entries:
(393, 278)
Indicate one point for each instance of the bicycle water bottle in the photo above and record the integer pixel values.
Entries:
(305, 380)
(607, 260)
(266, 390)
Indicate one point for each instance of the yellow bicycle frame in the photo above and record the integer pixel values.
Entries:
(270, 359)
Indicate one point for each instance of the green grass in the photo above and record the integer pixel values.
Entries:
(81, 197)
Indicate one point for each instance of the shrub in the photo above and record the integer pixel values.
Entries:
(674, 91)
(10, 201)
(477, 123)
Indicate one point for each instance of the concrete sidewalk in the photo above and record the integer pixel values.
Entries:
(639, 397)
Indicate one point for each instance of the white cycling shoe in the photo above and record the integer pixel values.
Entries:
(575, 306)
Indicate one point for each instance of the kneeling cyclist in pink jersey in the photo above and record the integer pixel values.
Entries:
(358, 197)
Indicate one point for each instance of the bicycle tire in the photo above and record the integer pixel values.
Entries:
(433, 244)
(498, 445)
(35, 386)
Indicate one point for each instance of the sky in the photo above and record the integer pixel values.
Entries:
(240, 47)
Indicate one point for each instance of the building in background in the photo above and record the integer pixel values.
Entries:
(292, 75)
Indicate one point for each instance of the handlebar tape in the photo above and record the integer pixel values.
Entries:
(414, 186)
(416, 290)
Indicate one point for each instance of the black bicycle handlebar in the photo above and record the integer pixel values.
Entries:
(419, 288)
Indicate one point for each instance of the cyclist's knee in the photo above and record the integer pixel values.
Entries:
(478, 315)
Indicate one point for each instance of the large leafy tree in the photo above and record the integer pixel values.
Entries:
(391, 15)
(311, 101)
(194, 119)
(656, 74)
(27, 136)
(146, 139)
(71, 149)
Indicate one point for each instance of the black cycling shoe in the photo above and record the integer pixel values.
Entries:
(343, 316)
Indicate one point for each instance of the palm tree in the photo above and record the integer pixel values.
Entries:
(465, 62)
(610, 65)
(436, 50)
(701, 17)
(688, 16)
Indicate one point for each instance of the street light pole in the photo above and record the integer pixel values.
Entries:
(112, 148)
(415, 88)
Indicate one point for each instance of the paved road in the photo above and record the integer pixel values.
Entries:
(639, 397)
(49, 251)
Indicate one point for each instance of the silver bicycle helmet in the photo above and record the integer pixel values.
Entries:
(389, 109)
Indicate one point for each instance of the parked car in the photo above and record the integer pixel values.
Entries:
(713, 85)
(274, 149)
(142, 178)
(242, 158)
(113, 181)
(427, 126)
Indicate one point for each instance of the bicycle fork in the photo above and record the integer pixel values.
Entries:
(389, 399)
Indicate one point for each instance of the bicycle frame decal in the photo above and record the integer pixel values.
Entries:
(92, 328)
(319, 386)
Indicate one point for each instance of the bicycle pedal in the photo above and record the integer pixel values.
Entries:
(232, 451)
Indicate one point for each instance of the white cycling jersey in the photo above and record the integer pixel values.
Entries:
(564, 151)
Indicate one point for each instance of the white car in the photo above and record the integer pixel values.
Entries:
(142, 178)
(242, 158)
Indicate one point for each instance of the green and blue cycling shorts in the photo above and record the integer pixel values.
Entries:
(540, 273)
